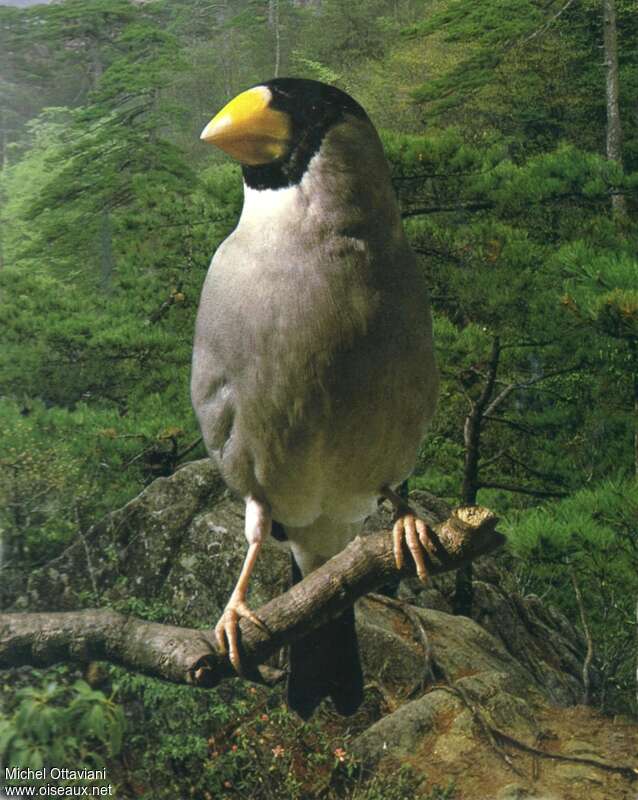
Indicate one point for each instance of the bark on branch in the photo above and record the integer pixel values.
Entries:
(186, 655)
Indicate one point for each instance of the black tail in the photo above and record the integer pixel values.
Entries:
(326, 663)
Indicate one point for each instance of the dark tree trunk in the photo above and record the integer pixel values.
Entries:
(472, 441)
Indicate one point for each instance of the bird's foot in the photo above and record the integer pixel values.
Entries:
(410, 528)
(414, 531)
(227, 629)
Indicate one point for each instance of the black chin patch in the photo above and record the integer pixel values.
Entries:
(313, 108)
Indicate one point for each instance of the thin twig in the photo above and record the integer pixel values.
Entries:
(414, 620)
(87, 553)
(587, 632)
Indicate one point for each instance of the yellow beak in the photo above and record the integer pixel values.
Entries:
(249, 130)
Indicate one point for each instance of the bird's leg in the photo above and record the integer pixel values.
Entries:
(410, 527)
(258, 524)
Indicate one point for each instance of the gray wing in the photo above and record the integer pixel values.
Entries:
(211, 375)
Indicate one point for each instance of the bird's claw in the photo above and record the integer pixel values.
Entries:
(227, 629)
(415, 532)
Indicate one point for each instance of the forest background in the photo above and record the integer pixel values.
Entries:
(512, 130)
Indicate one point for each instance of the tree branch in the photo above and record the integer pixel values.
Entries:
(501, 397)
(511, 387)
(186, 655)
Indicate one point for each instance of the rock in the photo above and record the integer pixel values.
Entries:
(477, 668)
(397, 734)
(177, 548)
(551, 649)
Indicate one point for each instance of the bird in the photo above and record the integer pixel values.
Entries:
(313, 375)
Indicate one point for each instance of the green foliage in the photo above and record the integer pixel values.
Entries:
(601, 286)
(590, 538)
(44, 488)
(51, 723)
(530, 71)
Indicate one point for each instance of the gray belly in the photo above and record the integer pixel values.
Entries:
(325, 446)
(315, 392)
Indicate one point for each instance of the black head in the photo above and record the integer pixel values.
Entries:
(313, 108)
(273, 129)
